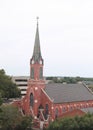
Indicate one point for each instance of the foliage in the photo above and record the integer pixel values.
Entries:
(76, 123)
(70, 79)
(11, 119)
(7, 88)
(1, 100)
(65, 79)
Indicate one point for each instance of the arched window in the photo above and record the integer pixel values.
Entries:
(40, 109)
(31, 100)
(71, 108)
(56, 113)
(41, 73)
(46, 111)
(32, 73)
(63, 109)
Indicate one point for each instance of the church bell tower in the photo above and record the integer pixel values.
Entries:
(36, 62)
(36, 82)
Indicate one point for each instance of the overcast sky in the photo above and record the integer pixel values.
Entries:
(66, 36)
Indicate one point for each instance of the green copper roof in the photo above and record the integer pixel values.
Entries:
(37, 52)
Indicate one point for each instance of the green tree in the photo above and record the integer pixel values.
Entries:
(11, 119)
(25, 124)
(7, 88)
(1, 100)
(76, 123)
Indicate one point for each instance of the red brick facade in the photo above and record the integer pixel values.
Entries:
(40, 97)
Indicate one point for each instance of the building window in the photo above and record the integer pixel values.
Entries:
(71, 108)
(32, 73)
(21, 80)
(40, 110)
(46, 111)
(63, 109)
(41, 73)
(56, 113)
(31, 100)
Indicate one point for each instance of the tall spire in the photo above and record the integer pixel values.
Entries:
(36, 62)
(37, 51)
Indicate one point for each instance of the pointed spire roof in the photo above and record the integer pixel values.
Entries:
(37, 51)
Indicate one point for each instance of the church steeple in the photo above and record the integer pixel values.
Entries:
(36, 62)
(37, 51)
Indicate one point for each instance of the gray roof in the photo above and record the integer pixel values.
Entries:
(88, 110)
(61, 93)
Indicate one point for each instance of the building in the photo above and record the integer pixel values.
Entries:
(50, 101)
(22, 83)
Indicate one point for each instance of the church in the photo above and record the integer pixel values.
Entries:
(55, 100)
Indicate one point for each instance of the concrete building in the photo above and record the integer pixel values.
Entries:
(22, 83)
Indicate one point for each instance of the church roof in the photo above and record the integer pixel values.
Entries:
(61, 93)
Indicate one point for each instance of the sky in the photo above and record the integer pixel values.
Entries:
(65, 30)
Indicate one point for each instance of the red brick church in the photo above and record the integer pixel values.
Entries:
(50, 101)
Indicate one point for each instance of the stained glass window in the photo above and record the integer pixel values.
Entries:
(56, 113)
(31, 100)
(46, 111)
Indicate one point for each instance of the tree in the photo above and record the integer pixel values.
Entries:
(74, 123)
(1, 101)
(11, 119)
(7, 88)
(25, 124)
